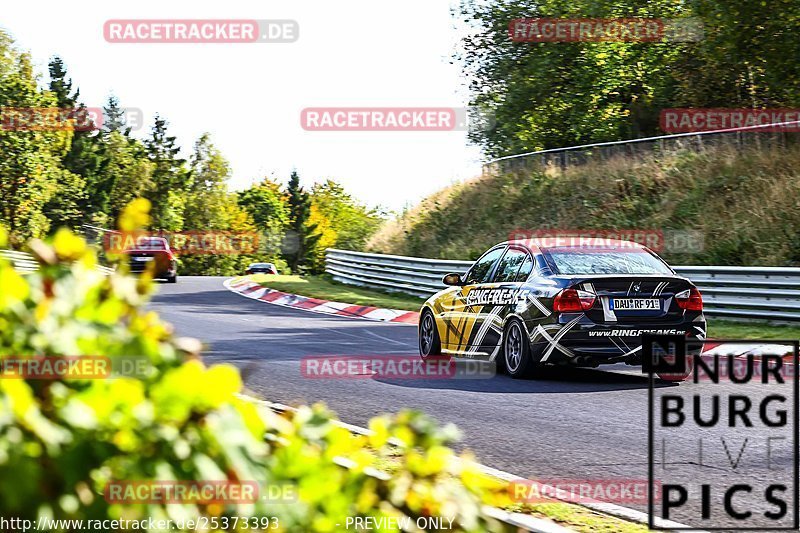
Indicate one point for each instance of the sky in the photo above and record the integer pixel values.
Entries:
(249, 97)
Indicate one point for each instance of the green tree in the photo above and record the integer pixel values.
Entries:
(61, 85)
(747, 57)
(301, 240)
(30, 169)
(549, 95)
(206, 193)
(352, 221)
(267, 205)
(341, 221)
(114, 116)
(169, 178)
(127, 172)
(71, 205)
(209, 206)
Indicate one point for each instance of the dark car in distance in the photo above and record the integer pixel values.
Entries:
(261, 268)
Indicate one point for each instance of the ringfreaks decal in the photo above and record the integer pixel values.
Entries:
(634, 332)
(496, 296)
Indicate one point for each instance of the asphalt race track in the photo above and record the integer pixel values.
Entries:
(572, 424)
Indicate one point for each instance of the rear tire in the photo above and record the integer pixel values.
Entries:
(517, 356)
(172, 279)
(429, 343)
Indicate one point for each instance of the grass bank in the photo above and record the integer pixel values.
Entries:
(746, 204)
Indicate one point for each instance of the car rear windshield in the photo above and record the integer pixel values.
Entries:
(152, 243)
(606, 261)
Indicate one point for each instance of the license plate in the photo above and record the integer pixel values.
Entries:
(142, 258)
(636, 304)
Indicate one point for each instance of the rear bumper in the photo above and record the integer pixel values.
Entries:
(138, 268)
(585, 343)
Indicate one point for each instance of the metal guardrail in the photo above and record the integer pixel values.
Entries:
(757, 135)
(411, 275)
(25, 263)
(765, 293)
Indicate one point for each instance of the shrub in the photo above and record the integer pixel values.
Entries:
(63, 440)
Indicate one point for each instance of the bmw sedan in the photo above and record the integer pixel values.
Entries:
(154, 254)
(528, 303)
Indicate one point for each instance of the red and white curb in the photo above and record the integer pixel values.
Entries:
(742, 350)
(254, 291)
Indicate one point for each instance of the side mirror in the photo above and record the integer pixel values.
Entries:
(453, 279)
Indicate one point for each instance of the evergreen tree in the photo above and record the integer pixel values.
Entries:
(302, 241)
(75, 201)
(169, 178)
(60, 85)
(114, 117)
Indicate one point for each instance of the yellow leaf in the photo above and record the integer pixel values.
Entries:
(68, 245)
(223, 382)
(13, 287)
(136, 215)
(380, 432)
(20, 395)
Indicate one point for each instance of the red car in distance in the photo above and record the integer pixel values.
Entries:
(153, 251)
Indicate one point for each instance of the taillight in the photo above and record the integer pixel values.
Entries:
(573, 301)
(690, 300)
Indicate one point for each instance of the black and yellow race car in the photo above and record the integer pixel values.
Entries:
(527, 303)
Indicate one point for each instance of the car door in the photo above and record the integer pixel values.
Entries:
(460, 316)
(501, 298)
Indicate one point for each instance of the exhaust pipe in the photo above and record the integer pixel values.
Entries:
(585, 360)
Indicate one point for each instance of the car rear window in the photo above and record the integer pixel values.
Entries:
(150, 244)
(606, 261)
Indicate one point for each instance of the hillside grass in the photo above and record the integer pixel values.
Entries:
(745, 202)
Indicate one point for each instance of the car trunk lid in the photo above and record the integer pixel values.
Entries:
(634, 299)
